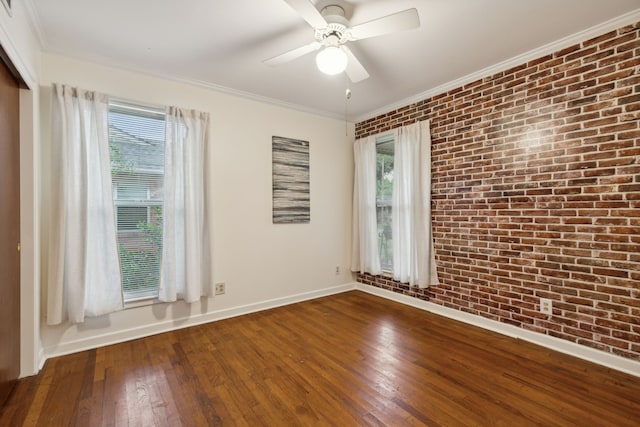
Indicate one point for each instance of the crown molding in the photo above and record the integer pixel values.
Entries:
(36, 26)
(202, 84)
(35, 22)
(602, 28)
(250, 96)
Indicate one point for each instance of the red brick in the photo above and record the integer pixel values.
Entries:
(535, 193)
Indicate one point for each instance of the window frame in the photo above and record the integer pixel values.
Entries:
(134, 108)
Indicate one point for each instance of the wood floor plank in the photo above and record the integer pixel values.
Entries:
(23, 397)
(349, 360)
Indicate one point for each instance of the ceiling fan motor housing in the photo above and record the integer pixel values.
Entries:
(332, 34)
(336, 32)
(333, 31)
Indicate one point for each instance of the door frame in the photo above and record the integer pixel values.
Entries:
(31, 354)
(11, 287)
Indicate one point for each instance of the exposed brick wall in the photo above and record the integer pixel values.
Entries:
(536, 192)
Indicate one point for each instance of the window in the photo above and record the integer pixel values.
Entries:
(132, 190)
(128, 217)
(384, 193)
(131, 201)
(136, 140)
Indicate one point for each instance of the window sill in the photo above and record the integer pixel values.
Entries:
(141, 302)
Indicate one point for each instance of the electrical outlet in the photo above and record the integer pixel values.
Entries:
(546, 306)
(337, 269)
(220, 288)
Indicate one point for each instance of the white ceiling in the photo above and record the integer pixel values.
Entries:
(222, 43)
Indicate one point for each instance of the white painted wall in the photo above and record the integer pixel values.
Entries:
(262, 264)
(19, 41)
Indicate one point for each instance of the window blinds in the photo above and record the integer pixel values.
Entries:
(136, 140)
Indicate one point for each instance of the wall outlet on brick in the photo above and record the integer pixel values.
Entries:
(546, 306)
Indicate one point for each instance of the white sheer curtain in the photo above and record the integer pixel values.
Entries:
(185, 271)
(364, 242)
(84, 272)
(413, 254)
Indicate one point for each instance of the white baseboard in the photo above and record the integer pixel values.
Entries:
(583, 352)
(175, 324)
(586, 353)
(42, 357)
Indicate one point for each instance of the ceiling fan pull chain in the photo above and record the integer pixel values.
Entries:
(347, 97)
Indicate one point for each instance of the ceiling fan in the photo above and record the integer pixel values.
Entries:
(332, 33)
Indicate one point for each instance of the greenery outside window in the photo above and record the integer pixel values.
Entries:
(384, 195)
(136, 140)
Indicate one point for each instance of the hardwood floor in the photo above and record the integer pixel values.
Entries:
(348, 359)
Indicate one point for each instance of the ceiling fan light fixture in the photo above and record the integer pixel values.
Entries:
(331, 60)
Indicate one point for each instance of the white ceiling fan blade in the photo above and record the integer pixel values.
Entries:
(355, 70)
(292, 54)
(309, 13)
(405, 20)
